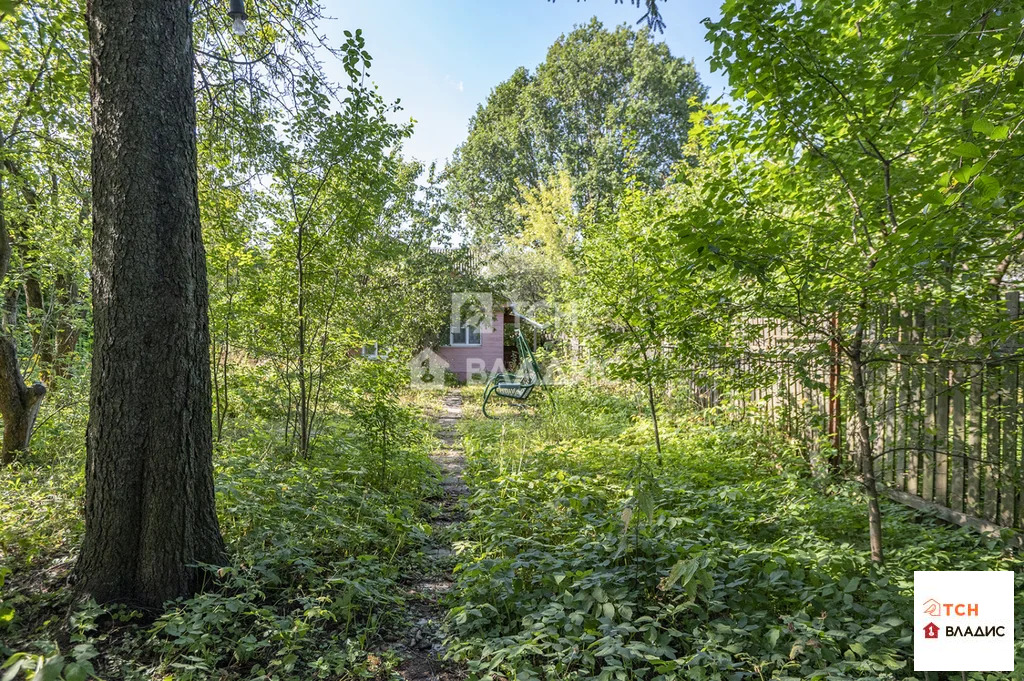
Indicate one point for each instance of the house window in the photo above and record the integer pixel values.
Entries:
(467, 334)
(371, 351)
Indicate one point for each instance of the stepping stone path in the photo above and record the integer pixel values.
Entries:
(423, 648)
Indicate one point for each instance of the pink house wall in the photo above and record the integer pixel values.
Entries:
(486, 358)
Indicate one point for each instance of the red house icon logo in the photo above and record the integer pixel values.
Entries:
(931, 630)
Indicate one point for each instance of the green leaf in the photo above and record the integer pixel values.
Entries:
(983, 127)
(988, 129)
(964, 175)
(646, 501)
(987, 186)
(967, 150)
(681, 572)
(75, 672)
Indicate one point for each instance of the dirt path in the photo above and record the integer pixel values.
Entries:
(423, 650)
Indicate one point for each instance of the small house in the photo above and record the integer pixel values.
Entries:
(476, 351)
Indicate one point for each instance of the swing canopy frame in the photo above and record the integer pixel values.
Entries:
(516, 386)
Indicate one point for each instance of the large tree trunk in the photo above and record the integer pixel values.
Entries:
(19, 403)
(150, 511)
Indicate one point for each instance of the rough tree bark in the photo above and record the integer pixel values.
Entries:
(19, 404)
(150, 510)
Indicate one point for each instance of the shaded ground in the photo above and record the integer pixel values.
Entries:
(423, 648)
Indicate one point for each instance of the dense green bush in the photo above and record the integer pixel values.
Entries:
(317, 547)
(580, 561)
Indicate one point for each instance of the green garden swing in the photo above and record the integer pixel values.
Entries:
(517, 386)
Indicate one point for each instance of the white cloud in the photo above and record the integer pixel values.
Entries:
(455, 84)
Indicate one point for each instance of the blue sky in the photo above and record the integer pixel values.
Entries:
(443, 57)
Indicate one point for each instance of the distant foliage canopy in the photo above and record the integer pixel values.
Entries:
(602, 102)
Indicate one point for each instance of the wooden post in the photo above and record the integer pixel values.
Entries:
(1008, 473)
(834, 407)
(990, 487)
(889, 426)
(959, 405)
(930, 371)
(915, 421)
(878, 373)
(902, 438)
(942, 399)
(889, 442)
(972, 466)
(880, 378)
(942, 436)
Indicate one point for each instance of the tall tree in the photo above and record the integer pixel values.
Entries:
(19, 403)
(602, 99)
(150, 514)
(42, 189)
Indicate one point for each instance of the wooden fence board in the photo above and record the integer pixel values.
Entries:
(929, 425)
(974, 442)
(990, 486)
(942, 403)
(882, 449)
(902, 439)
(947, 432)
(1008, 463)
(878, 405)
(958, 404)
(915, 412)
(942, 436)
